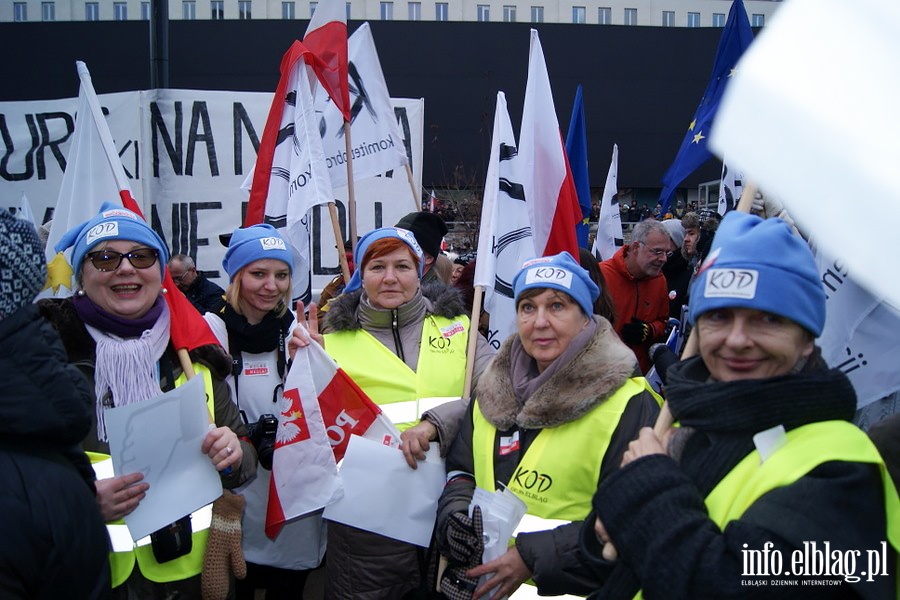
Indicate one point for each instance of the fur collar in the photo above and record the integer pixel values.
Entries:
(589, 379)
(441, 300)
(81, 348)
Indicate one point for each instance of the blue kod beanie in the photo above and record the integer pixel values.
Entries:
(759, 263)
(365, 241)
(113, 222)
(257, 242)
(560, 272)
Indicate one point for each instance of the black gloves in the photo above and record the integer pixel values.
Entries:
(635, 332)
(465, 540)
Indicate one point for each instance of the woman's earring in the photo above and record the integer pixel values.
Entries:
(165, 291)
(79, 293)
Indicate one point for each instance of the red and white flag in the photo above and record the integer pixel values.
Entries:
(346, 409)
(290, 175)
(552, 199)
(326, 38)
(304, 474)
(94, 175)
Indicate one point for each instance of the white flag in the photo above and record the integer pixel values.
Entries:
(377, 145)
(25, 212)
(609, 229)
(730, 189)
(505, 240)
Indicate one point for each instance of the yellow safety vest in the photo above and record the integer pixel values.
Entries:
(807, 447)
(557, 476)
(404, 394)
(126, 551)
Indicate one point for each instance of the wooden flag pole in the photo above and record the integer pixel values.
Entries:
(473, 341)
(417, 200)
(351, 195)
(339, 242)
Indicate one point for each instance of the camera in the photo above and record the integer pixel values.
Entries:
(262, 436)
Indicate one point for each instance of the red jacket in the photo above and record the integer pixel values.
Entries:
(644, 299)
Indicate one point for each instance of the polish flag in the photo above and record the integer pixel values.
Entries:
(549, 187)
(326, 38)
(321, 407)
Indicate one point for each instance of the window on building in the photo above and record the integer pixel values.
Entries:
(668, 18)
(387, 11)
(145, 11)
(348, 5)
(578, 15)
(245, 12)
(484, 12)
(415, 11)
(758, 20)
(604, 15)
(120, 11)
(718, 20)
(441, 10)
(20, 12)
(48, 11)
(631, 16)
(91, 11)
(288, 10)
(217, 10)
(188, 10)
(693, 19)
(537, 14)
(509, 13)
(312, 9)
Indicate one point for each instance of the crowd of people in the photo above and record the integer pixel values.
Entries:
(763, 460)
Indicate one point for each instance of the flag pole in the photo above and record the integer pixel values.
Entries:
(339, 242)
(473, 341)
(351, 195)
(417, 202)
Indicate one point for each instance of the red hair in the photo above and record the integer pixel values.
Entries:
(385, 246)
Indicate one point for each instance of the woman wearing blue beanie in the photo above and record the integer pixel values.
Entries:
(116, 330)
(254, 326)
(765, 482)
(552, 416)
(400, 341)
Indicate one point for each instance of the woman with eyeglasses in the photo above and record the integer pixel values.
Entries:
(116, 331)
(253, 327)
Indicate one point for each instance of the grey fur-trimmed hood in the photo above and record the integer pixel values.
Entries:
(590, 378)
(441, 300)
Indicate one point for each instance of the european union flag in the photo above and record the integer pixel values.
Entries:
(736, 36)
(576, 150)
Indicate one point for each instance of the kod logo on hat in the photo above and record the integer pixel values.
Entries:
(409, 238)
(731, 283)
(103, 230)
(549, 274)
(272, 243)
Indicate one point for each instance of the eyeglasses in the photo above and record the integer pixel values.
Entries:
(109, 260)
(657, 252)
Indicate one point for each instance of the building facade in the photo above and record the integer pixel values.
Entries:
(656, 13)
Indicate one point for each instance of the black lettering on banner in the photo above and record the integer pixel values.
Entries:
(137, 159)
(403, 121)
(10, 148)
(834, 277)
(156, 224)
(200, 114)
(185, 225)
(242, 122)
(52, 145)
(158, 130)
(362, 97)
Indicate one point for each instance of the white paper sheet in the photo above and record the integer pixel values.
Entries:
(161, 438)
(383, 495)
